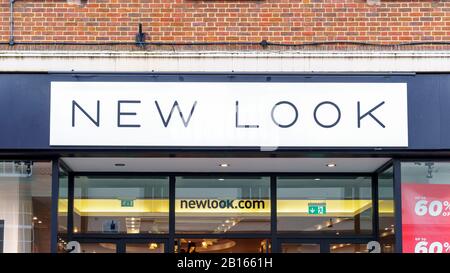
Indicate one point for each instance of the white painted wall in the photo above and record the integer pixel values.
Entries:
(225, 61)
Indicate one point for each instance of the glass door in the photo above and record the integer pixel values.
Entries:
(143, 246)
(302, 246)
(222, 245)
(122, 245)
(89, 246)
(348, 248)
(322, 246)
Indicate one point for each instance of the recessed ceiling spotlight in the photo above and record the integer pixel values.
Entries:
(119, 164)
(331, 165)
(316, 179)
(224, 165)
(221, 179)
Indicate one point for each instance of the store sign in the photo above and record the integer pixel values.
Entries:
(223, 114)
(426, 218)
(223, 205)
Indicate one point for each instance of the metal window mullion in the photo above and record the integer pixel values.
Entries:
(324, 246)
(375, 206)
(121, 246)
(70, 205)
(398, 206)
(170, 243)
(54, 206)
(273, 213)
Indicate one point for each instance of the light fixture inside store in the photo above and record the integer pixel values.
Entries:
(331, 165)
(133, 225)
(221, 179)
(224, 165)
(316, 179)
(207, 243)
(35, 218)
(152, 246)
(227, 225)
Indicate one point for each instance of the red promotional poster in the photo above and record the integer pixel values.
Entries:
(426, 218)
(426, 238)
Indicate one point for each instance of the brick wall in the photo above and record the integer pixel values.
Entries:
(281, 21)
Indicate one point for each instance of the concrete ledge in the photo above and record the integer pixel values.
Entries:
(228, 61)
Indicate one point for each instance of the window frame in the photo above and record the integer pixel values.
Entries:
(170, 237)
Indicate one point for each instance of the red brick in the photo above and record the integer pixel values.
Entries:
(290, 21)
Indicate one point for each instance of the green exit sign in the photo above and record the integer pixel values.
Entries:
(127, 203)
(317, 208)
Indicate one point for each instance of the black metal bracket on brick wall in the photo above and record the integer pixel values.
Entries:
(264, 44)
(11, 22)
(140, 37)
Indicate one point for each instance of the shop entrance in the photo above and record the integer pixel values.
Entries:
(324, 246)
(250, 208)
(114, 245)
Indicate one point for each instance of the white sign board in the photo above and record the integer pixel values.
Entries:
(219, 114)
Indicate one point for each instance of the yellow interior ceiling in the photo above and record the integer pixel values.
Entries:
(160, 207)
